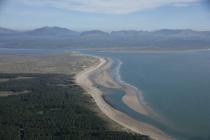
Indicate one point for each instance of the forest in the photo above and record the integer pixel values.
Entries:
(51, 107)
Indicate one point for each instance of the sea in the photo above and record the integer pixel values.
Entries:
(175, 84)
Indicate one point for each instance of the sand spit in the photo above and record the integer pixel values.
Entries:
(84, 80)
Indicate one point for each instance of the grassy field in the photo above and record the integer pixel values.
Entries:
(67, 63)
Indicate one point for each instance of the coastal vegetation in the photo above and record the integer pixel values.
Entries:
(53, 107)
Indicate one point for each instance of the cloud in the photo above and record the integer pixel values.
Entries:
(109, 6)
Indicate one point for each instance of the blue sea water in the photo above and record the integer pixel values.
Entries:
(174, 84)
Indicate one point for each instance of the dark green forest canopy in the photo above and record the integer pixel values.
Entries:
(51, 106)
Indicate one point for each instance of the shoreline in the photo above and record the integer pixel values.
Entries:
(134, 99)
(137, 50)
(83, 79)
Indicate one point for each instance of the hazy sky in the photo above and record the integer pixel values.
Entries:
(105, 15)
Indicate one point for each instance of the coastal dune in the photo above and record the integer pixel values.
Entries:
(84, 80)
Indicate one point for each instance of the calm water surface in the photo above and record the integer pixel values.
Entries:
(176, 85)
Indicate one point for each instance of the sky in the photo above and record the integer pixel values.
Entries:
(106, 15)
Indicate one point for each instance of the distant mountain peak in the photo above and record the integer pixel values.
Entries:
(6, 31)
(173, 31)
(128, 32)
(51, 28)
(94, 33)
(47, 30)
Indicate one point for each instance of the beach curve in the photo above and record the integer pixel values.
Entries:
(83, 79)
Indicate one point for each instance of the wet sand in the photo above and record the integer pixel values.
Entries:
(105, 79)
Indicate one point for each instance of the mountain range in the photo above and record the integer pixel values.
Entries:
(63, 37)
(58, 31)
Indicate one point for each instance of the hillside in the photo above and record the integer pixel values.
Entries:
(57, 37)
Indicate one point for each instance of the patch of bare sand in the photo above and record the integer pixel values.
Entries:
(83, 79)
(104, 78)
(132, 98)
